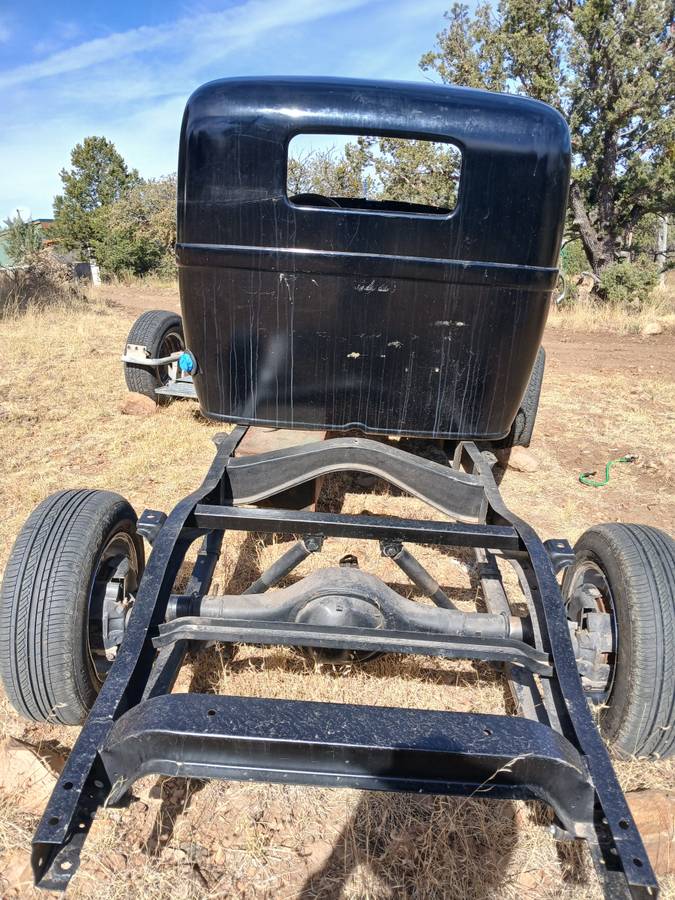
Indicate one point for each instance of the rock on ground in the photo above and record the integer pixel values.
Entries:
(654, 814)
(28, 774)
(533, 882)
(519, 458)
(138, 405)
(16, 875)
(652, 328)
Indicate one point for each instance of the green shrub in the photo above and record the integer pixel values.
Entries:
(138, 231)
(625, 282)
(573, 259)
(166, 268)
(23, 240)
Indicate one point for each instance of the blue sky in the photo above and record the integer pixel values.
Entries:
(124, 70)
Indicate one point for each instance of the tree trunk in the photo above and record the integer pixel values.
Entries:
(662, 247)
(599, 248)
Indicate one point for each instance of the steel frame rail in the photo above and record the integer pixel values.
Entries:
(553, 752)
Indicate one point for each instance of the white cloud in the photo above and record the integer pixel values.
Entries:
(132, 86)
(61, 33)
(237, 25)
(68, 30)
(5, 30)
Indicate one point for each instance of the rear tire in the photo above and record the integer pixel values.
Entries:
(161, 332)
(52, 660)
(523, 425)
(638, 565)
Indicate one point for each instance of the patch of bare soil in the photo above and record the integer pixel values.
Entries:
(604, 395)
(132, 300)
(649, 356)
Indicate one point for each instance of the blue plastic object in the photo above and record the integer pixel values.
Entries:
(186, 363)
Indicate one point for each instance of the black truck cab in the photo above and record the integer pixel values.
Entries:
(389, 318)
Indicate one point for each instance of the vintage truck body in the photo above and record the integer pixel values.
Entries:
(335, 313)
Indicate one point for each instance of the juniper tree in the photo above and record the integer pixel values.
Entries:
(608, 65)
(98, 177)
(22, 238)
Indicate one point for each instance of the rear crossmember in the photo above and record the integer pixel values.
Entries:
(551, 751)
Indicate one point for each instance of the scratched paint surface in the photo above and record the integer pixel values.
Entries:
(287, 351)
(336, 318)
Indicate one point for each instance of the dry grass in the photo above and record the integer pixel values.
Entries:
(582, 315)
(594, 409)
(152, 282)
(45, 283)
(60, 390)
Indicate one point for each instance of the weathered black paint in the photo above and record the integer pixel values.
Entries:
(391, 322)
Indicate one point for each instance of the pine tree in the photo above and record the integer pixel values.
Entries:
(609, 67)
(98, 177)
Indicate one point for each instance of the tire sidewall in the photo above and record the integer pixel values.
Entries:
(156, 351)
(85, 682)
(176, 328)
(613, 716)
(151, 330)
(47, 670)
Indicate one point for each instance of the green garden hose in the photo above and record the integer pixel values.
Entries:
(587, 477)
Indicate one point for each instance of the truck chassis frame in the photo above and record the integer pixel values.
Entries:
(550, 751)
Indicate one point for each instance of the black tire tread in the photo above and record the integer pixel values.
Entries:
(523, 425)
(41, 603)
(148, 330)
(527, 414)
(646, 560)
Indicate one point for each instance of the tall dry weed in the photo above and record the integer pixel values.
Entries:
(43, 283)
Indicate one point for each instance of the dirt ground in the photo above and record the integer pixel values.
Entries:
(60, 392)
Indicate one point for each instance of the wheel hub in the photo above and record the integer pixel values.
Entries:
(112, 595)
(590, 611)
(172, 343)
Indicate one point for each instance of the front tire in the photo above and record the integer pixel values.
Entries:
(161, 333)
(78, 550)
(630, 571)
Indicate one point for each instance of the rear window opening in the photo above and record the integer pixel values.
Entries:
(373, 173)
